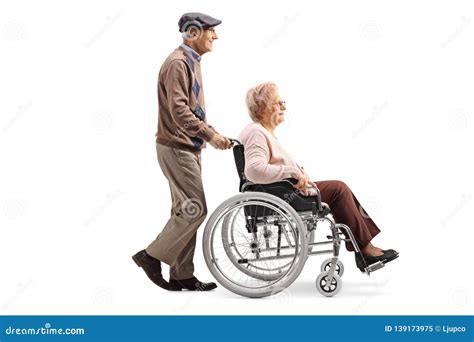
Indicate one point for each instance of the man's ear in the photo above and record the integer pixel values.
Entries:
(191, 34)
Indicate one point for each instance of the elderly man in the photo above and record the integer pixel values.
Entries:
(182, 133)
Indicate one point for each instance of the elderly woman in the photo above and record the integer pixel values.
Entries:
(266, 162)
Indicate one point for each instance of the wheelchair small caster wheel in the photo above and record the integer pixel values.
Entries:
(327, 289)
(326, 266)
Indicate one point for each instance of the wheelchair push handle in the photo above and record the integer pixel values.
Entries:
(234, 142)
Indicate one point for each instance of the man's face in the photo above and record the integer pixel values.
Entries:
(204, 40)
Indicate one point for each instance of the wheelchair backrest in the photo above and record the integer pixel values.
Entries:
(239, 158)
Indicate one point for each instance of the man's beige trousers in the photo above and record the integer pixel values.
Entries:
(176, 243)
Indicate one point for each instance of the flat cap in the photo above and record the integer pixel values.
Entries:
(197, 19)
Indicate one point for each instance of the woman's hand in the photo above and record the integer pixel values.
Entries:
(303, 180)
(304, 184)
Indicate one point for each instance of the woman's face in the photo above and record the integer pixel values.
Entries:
(276, 114)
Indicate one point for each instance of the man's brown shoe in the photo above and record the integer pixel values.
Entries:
(191, 284)
(152, 268)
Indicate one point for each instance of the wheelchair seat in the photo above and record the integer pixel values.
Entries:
(283, 189)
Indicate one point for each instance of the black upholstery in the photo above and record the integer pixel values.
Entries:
(239, 158)
(283, 189)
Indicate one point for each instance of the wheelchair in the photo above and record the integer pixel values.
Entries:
(256, 243)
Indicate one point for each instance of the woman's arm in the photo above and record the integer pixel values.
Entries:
(257, 157)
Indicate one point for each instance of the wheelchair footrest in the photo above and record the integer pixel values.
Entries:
(374, 267)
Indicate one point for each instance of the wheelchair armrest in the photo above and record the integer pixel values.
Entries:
(244, 186)
(284, 189)
(287, 183)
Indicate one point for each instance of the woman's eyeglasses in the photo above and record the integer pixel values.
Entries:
(281, 103)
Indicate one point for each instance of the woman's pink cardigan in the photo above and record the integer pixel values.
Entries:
(265, 159)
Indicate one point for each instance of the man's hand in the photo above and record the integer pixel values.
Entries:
(220, 142)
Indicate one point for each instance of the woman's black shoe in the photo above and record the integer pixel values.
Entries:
(152, 268)
(390, 254)
(386, 257)
(191, 284)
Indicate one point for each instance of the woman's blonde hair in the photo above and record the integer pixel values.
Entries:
(259, 100)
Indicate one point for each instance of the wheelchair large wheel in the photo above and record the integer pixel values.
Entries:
(236, 250)
(229, 238)
(255, 244)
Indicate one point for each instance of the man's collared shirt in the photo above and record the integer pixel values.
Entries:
(195, 55)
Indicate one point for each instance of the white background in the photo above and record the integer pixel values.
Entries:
(379, 95)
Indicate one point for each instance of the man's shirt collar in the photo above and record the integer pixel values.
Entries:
(195, 55)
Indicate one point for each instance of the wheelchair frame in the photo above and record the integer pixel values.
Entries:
(298, 225)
